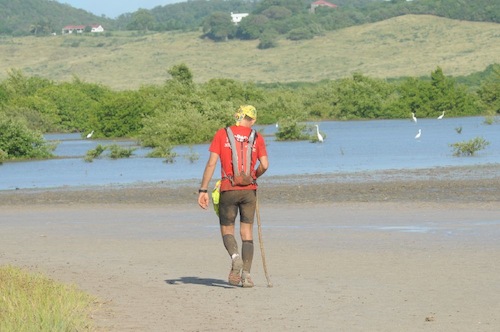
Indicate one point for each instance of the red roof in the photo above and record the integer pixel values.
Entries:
(324, 3)
(73, 27)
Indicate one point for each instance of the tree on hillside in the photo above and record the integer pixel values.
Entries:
(21, 18)
(219, 27)
(295, 6)
(252, 27)
(142, 20)
(277, 12)
(42, 27)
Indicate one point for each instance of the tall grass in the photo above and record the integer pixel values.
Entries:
(33, 302)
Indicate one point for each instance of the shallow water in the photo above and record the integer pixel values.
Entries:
(349, 146)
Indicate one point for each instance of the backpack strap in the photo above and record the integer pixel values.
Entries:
(234, 154)
(251, 140)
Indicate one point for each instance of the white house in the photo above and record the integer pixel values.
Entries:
(81, 28)
(236, 18)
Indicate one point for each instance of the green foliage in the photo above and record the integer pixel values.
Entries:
(18, 84)
(252, 27)
(94, 153)
(163, 151)
(116, 151)
(490, 90)
(181, 73)
(41, 18)
(292, 18)
(182, 112)
(228, 90)
(469, 148)
(219, 27)
(45, 17)
(121, 114)
(441, 93)
(277, 12)
(17, 141)
(268, 40)
(188, 15)
(290, 130)
(293, 6)
(142, 20)
(362, 97)
(185, 125)
(300, 34)
(49, 107)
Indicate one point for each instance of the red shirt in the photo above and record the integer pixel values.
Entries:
(220, 145)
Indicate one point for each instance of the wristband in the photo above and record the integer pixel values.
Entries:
(202, 191)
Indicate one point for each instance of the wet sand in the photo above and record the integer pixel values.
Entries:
(380, 251)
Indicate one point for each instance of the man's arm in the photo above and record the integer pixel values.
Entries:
(263, 166)
(207, 176)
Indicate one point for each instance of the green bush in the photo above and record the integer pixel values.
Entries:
(163, 151)
(469, 148)
(17, 141)
(300, 34)
(94, 153)
(292, 131)
(117, 152)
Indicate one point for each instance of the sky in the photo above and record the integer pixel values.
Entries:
(114, 8)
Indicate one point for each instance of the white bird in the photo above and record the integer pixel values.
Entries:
(320, 138)
(90, 134)
(441, 116)
(418, 134)
(414, 118)
(277, 125)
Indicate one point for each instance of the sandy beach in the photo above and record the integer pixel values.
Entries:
(385, 251)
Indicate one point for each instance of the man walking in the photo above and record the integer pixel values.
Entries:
(240, 149)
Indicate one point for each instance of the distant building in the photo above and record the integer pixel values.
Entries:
(81, 28)
(236, 18)
(321, 3)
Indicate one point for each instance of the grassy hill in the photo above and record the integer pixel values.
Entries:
(43, 17)
(403, 46)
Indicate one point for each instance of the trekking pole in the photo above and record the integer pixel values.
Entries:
(259, 227)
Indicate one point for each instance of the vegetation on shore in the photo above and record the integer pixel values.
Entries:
(33, 302)
(183, 112)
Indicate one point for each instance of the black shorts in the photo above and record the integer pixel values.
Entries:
(232, 201)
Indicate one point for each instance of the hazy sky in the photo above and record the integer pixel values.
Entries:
(114, 8)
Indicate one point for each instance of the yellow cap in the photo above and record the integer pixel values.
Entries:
(248, 110)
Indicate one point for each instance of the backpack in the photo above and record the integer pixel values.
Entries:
(241, 166)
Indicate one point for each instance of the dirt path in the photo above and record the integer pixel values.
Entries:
(348, 266)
